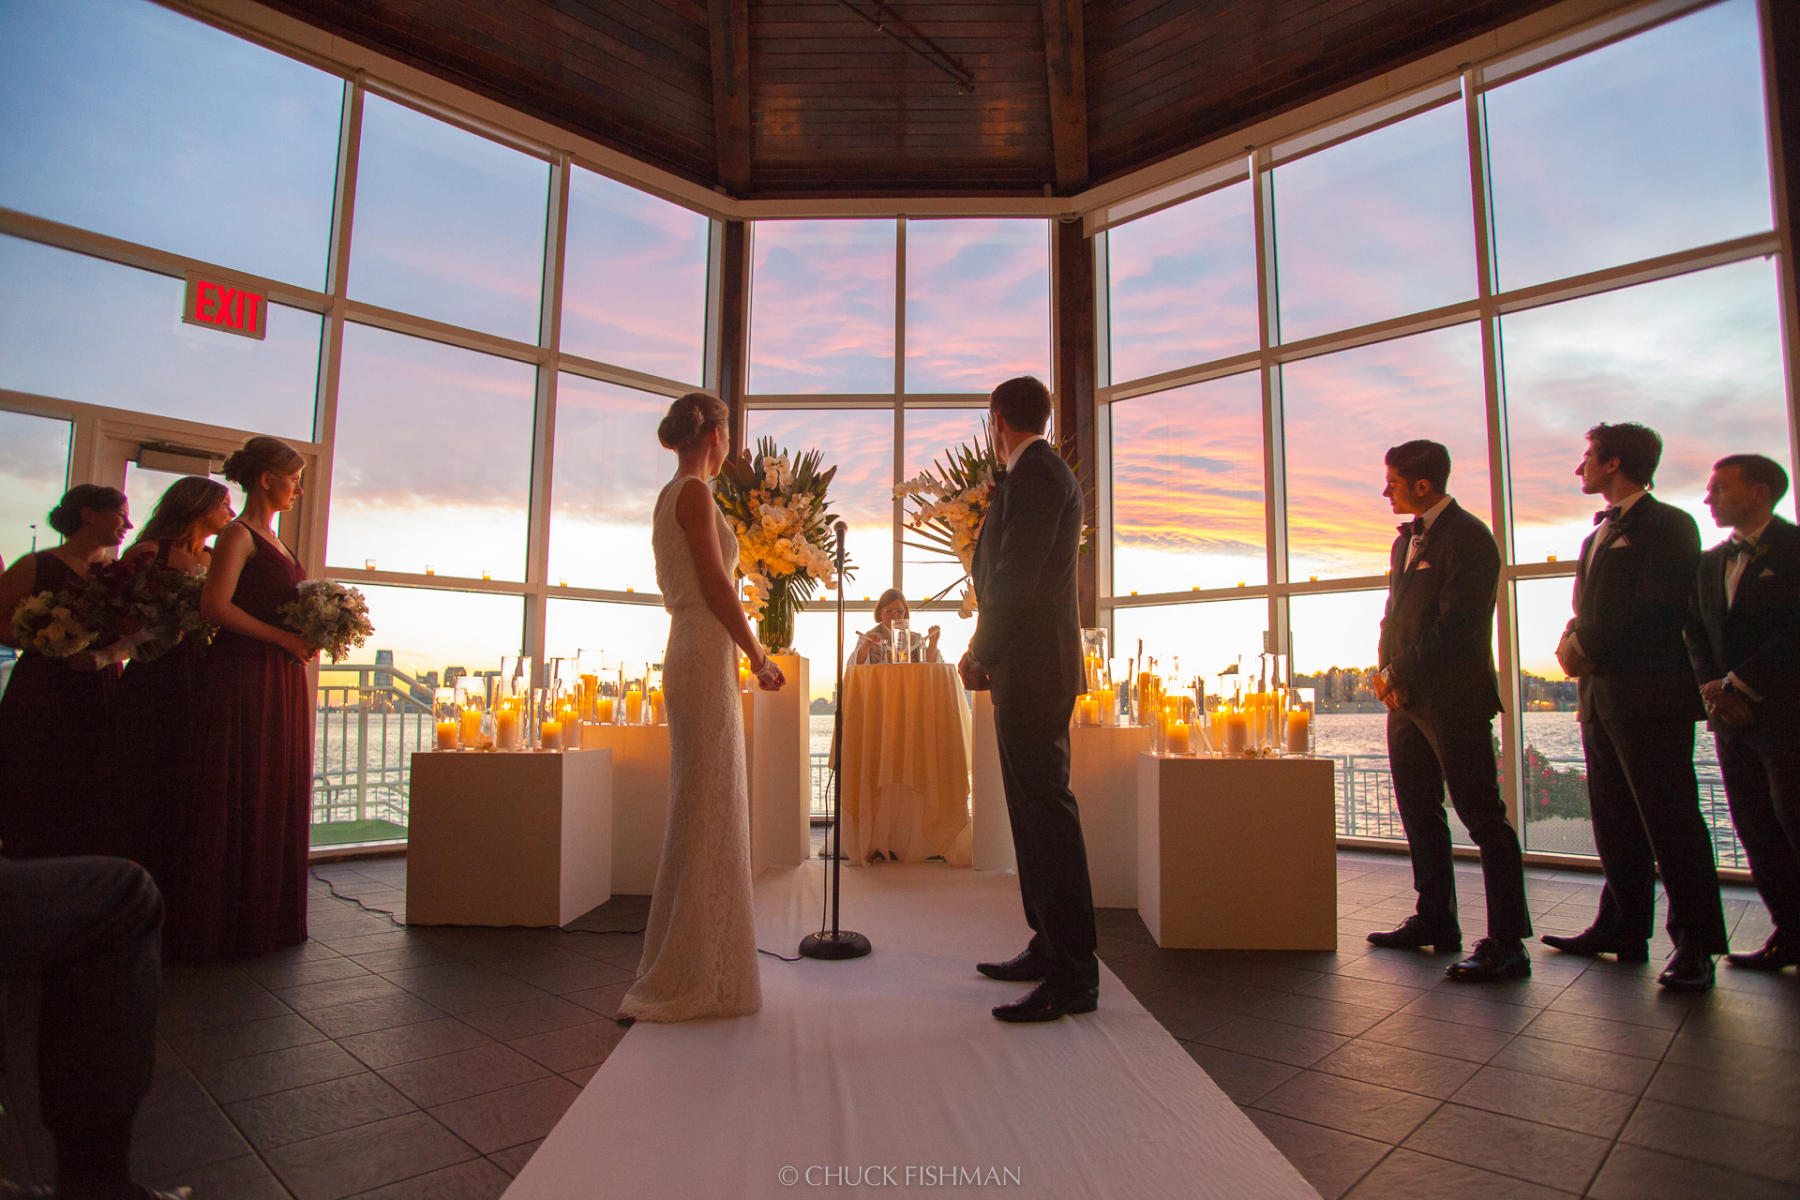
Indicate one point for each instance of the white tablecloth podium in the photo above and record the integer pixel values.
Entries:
(905, 763)
(520, 838)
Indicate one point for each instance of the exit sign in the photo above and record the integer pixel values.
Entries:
(227, 306)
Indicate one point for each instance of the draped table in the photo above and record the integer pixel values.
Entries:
(905, 763)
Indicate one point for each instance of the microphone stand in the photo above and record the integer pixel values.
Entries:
(836, 943)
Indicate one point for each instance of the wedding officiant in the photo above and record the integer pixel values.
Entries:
(877, 644)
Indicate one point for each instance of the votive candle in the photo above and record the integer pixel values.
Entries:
(446, 733)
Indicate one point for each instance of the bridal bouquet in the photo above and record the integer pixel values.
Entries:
(946, 504)
(777, 508)
(332, 616)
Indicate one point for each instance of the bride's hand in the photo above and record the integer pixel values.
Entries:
(770, 678)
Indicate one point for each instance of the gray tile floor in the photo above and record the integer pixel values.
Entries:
(381, 1062)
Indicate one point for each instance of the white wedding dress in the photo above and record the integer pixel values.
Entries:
(700, 942)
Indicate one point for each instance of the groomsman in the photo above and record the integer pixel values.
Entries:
(1437, 680)
(1637, 704)
(1744, 638)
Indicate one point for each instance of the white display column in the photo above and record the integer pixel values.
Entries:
(780, 763)
(640, 758)
(510, 838)
(1103, 774)
(993, 848)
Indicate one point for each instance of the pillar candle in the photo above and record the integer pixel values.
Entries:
(1299, 723)
(446, 733)
(1237, 732)
(471, 727)
(1106, 702)
(603, 710)
(1180, 739)
(551, 733)
(1086, 709)
(658, 714)
(634, 707)
(506, 728)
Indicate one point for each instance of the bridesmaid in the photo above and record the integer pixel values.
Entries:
(55, 794)
(245, 866)
(165, 732)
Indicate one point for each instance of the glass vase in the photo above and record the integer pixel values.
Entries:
(775, 628)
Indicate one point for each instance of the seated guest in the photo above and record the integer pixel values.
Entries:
(876, 645)
(1744, 639)
(86, 930)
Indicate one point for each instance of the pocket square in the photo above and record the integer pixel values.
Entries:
(1619, 543)
(1768, 573)
(1421, 565)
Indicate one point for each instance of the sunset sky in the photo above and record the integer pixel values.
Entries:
(1642, 148)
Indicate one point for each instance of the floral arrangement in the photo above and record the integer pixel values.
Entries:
(946, 504)
(58, 624)
(777, 508)
(138, 610)
(332, 616)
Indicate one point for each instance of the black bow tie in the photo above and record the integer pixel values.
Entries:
(1736, 546)
(1413, 528)
(1608, 514)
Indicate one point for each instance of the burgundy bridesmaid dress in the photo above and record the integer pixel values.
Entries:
(244, 876)
(57, 782)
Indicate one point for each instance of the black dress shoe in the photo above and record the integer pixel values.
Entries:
(1413, 933)
(1589, 942)
(1024, 967)
(1048, 1001)
(1688, 971)
(1773, 956)
(1494, 959)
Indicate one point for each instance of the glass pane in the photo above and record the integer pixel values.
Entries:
(608, 469)
(432, 470)
(448, 225)
(369, 722)
(34, 473)
(977, 304)
(861, 445)
(1182, 285)
(1187, 640)
(1188, 488)
(1651, 145)
(1696, 357)
(82, 329)
(634, 279)
(930, 434)
(1344, 411)
(137, 122)
(1376, 227)
(822, 307)
(613, 635)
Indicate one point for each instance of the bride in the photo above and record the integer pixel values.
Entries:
(700, 942)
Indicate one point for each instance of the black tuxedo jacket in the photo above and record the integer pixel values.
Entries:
(1437, 634)
(1630, 606)
(1758, 639)
(1028, 624)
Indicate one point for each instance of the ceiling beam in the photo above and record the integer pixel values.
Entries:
(1066, 64)
(730, 36)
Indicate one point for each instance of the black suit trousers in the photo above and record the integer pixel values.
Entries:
(1428, 752)
(1033, 736)
(88, 933)
(1762, 780)
(1646, 812)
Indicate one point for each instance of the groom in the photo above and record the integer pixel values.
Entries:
(1027, 648)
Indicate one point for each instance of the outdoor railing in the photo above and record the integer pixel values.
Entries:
(367, 724)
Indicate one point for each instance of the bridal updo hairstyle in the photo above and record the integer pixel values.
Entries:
(689, 418)
(246, 467)
(65, 518)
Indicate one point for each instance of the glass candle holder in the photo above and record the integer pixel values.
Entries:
(1087, 709)
(509, 722)
(541, 721)
(634, 703)
(471, 706)
(1093, 652)
(900, 638)
(1302, 704)
(446, 719)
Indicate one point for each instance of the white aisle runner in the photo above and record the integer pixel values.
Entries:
(856, 1073)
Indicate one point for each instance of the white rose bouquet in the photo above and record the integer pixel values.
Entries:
(332, 616)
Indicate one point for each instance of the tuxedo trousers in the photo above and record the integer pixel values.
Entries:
(1761, 767)
(87, 932)
(1428, 752)
(1033, 736)
(1645, 804)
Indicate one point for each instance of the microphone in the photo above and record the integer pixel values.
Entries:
(840, 529)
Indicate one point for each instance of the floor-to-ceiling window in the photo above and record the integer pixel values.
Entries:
(470, 336)
(1497, 263)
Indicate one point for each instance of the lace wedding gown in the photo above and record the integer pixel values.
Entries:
(700, 942)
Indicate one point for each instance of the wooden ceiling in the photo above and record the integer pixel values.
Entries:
(839, 98)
